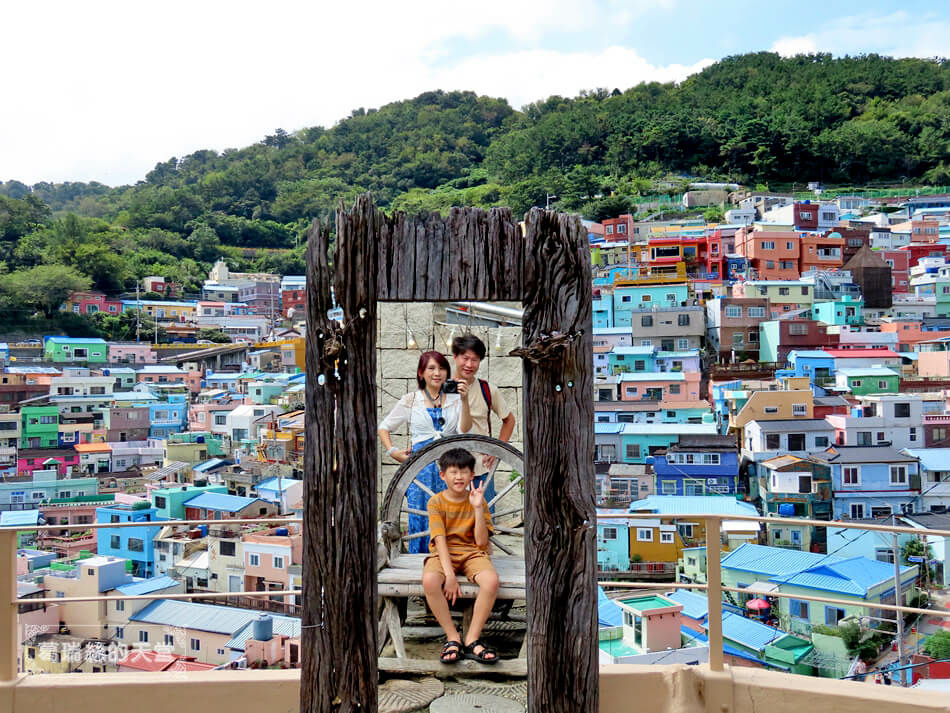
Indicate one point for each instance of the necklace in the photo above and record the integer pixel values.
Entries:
(432, 398)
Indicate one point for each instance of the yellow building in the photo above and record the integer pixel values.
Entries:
(654, 541)
(67, 653)
(793, 399)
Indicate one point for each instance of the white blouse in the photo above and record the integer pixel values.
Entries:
(411, 409)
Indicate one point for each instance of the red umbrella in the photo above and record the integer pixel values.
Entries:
(757, 604)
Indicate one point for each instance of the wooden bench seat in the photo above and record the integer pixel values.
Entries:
(403, 577)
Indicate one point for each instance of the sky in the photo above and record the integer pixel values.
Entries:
(103, 90)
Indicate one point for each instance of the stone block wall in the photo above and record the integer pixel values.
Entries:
(401, 324)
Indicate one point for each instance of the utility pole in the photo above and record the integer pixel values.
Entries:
(898, 600)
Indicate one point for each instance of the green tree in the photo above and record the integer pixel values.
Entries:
(214, 335)
(44, 287)
(938, 645)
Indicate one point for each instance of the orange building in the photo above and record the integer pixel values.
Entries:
(819, 252)
(773, 255)
(910, 332)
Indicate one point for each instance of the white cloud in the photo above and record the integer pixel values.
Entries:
(104, 90)
(898, 34)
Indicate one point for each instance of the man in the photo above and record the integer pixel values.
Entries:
(483, 398)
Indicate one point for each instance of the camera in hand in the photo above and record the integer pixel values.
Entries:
(451, 386)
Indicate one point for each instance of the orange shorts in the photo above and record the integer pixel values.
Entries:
(470, 564)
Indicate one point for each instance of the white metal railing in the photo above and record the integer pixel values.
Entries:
(713, 587)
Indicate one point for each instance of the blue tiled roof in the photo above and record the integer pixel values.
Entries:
(11, 518)
(608, 612)
(855, 575)
(147, 586)
(693, 505)
(749, 633)
(284, 625)
(76, 340)
(275, 483)
(190, 615)
(208, 464)
(932, 458)
(219, 501)
(695, 606)
(772, 560)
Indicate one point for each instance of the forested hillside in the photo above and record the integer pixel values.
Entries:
(753, 118)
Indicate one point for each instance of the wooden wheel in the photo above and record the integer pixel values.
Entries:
(508, 520)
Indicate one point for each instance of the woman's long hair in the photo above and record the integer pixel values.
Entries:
(424, 359)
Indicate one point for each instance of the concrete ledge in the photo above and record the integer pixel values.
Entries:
(623, 688)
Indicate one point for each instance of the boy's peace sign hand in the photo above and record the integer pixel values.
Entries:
(476, 496)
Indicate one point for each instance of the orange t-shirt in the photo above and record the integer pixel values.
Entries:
(456, 523)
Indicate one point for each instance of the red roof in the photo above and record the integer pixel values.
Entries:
(858, 353)
(146, 660)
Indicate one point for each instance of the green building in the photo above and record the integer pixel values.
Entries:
(39, 427)
(66, 350)
(169, 502)
(868, 380)
(845, 310)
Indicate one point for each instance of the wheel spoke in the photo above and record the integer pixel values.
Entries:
(415, 535)
(413, 511)
(424, 488)
(507, 489)
(503, 548)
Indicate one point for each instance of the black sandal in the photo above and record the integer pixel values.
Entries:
(483, 655)
(451, 648)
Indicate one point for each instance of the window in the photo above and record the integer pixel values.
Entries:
(278, 562)
(733, 311)
(767, 245)
(756, 311)
(674, 388)
(161, 502)
(864, 438)
(901, 410)
(898, 475)
(195, 645)
(169, 639)
(119, 632)
(644, 534)
(136, 545)
(789, 245)
(115, 542)
(639, 365)
(804, 484)
(798, 609)
(47, 419)
(633, 450)
(143, 635)
(227, 549)
(833, 615)
(753, 337)
(668, 487)
(120, 605)
(683, 320)
(821, 441)
(254, 560)
(609, 533)
(710, 459)
(738, 339)
(666, 538)
(796, 441)
(682, 344)
(771, 409)
(857, 511)
(783, 291)
(686, 531)
(798, 329)
(881, 436)
(646, 321)
(851, 475)
(220, 419)
(670, 297)
(881, 384)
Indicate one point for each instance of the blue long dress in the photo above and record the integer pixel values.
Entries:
(417, 497)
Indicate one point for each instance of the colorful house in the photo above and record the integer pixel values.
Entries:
(697, 465)
(39, 427)
(131, 543)
(60, 460)
(844, 310)
(868, 380)
(667, 386)
(613, 541)
(91, 302)
(790, 486)
(635, 442)
(62, 350)
(685, 513)
(871, 481)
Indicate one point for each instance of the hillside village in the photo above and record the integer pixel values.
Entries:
(792, 361)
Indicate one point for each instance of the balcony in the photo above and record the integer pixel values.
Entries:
(655, 688)
(931, 418)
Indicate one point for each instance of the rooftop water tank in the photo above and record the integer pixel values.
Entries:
(282, 531)
(263, 628)
(786, 509)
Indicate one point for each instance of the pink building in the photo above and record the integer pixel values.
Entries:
(91, 302)
(66, 543)
(132, 353)
(30, 459)
(161, 374)
(667, 386)
(268, 556)
(201, 416)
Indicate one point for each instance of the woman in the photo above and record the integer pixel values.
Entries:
(431, 413)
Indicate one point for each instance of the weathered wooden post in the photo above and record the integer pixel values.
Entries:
(560, 517)
(339, 665)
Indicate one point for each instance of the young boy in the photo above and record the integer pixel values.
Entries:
(459, 528)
